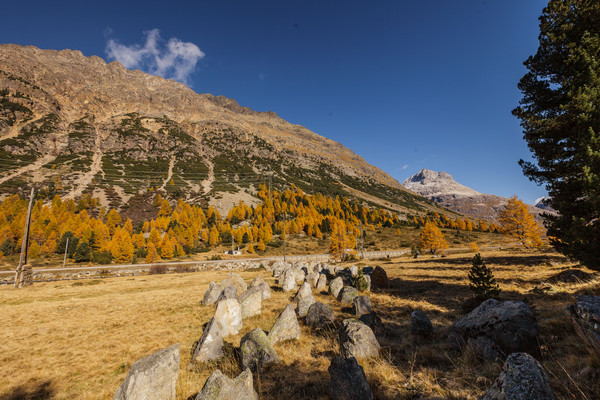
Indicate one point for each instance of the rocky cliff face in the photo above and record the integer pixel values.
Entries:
(444, 190)
(76, 124)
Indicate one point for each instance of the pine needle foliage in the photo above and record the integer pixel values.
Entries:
(560, 117)
(483, 283)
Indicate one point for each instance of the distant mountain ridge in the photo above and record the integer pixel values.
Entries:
(444, 190)
(72, 124)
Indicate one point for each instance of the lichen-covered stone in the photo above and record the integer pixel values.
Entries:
(348, 380)
(235, 280)
(496, 329)
(347, 294)
(319, 316)
(152, 378)
(585, 314)
(336, 286)
(362, 306)
(212, 294)
(285, 327)
(220, 387)
(264, 287)
(321, 283)
(299, 275)
(251, 302)
(357, 340)
(228, 292)
(312, 279)
(288, 280)
(379, 278)
(373, 321)
(304, 304)
(304, 291)
(522, 378)
(210, 345)
(228, 316)
(256, 350)
(420, 323)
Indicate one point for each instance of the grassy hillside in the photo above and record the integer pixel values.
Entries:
(70, 340)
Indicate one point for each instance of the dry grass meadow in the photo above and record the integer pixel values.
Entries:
(77, 339)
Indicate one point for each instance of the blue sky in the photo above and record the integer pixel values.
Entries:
(405, 84)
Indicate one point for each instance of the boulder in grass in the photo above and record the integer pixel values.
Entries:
(299, 275)
(420, 323)
(379, 278)
(336, 286)
(228, 316)
(152, 378)
(259, 282)
(304, 291)
(285, 327)
(256, 350)
(212, 294)
(348, 380)
(348, 294)
(312, 279)
(357, 340)
(220, 387)
(585, 314)
(288, 281)
(256, 282)
(362, 306)
(278, 268)
(353, 270)
(235, 280)
(373, 321)
(210, 345)
(228, 292)
(321, 283)
(251, 302)
(304, 304)
(319, 316)
(496, 329)
(522, 378)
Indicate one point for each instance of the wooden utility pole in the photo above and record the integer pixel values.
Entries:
(24, 275)
(65, 258)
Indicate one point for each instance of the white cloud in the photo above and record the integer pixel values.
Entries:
(405, 166)
(175, 60)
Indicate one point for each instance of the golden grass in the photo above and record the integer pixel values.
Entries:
(77, 339)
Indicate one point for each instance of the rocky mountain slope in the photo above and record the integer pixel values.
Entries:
(74, 124)
(444, 190)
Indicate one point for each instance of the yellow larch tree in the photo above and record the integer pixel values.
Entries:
(518, 222)
(432, 238)
(166, 247)
(121, 247)
(213, 236)
(154, 237)
(339, 243)
(113, 219)
(152, 255)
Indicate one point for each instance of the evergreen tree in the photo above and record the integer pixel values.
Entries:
(482, 279)
(560, 117)
(83, 252)
(62, 243)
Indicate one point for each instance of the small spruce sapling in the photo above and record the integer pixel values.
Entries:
(360, 282)
(482, 279)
